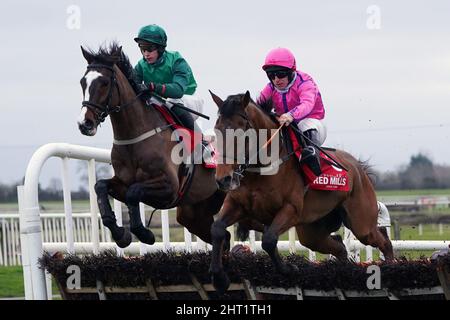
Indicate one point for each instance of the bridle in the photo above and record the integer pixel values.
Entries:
(240, 169)
(102, 111)
(238, 172)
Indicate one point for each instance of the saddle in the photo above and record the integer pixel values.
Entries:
(333, 177)
(200, 149)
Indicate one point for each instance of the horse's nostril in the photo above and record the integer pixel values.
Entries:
(88, 124)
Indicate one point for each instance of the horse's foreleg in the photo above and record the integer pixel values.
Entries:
(117, 190)
(229, 214)
(284, 219)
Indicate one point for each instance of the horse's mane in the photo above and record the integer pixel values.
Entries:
(112, 54)
(267, 106)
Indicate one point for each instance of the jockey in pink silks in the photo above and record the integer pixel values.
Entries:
(296, 97)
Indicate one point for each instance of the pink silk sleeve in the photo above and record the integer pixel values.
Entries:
(307, 92)
(264, 95)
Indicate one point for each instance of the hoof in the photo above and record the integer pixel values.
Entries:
(124, 239)
(144, 235)
(221, 282)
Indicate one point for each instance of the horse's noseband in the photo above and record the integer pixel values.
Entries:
(101, 112)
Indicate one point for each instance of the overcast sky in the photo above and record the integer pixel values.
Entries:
(386, 90)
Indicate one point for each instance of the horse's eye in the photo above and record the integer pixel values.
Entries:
(103, 82)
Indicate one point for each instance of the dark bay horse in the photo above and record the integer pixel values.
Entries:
(279, 202)
(141, 153)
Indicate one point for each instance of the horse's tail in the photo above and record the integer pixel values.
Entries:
(368, 169)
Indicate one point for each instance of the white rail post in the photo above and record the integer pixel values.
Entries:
(1, 250)
(142, 246)
(292, 240)
(24, 248)
(165, 229)
(12, 236)
(252, 237)
(31, 236)
(187, 240)
(67, 205)
(118, 214)
(5, 244)
(369, 253)
(311, 255)
(94, 206)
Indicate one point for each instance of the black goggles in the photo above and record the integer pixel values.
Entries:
(148, 47)
(278, 74)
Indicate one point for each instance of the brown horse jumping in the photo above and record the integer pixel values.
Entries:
(279, 202)
(141, 153)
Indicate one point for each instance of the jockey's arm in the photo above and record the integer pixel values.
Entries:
(264, 95)
(307, 92)
(180, 80)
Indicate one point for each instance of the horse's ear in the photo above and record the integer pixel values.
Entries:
(89, 57)
(216, 99)
(246, 99)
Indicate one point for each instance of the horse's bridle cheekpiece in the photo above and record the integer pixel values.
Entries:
(101, 112)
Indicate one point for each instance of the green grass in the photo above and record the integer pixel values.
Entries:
(11, 282)
(411, 192)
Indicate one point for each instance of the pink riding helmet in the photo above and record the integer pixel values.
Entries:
(280, 57)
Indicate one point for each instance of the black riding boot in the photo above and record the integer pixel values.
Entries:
(311, 155)
(186, 118)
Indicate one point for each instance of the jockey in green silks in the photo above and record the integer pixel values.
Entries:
(166, 73)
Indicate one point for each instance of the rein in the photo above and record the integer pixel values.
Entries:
(246, 166)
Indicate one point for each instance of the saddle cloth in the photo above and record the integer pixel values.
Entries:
(192, 140)
(332, 178)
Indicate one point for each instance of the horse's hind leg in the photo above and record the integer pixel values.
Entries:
(388, 250)
(318, 238)
(198, 217)
(317, 235)
(117, 190)
(362, 219)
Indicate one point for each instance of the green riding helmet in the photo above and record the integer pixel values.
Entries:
(152, 33)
